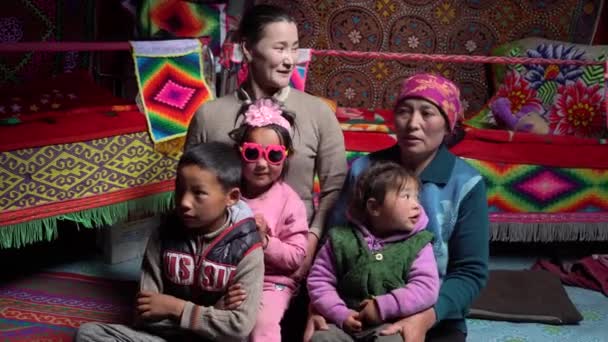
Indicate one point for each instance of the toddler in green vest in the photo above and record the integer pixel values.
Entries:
(380, 267)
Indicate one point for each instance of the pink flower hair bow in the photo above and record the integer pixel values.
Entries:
(264, 112)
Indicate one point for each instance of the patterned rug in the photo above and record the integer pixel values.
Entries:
(470, 27)
(51, 306)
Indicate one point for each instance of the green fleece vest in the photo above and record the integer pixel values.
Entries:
(363, 274)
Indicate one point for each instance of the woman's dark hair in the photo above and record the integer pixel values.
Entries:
(455, 136)
(255, 20)
(375, 182)
(241, 133)
(217, 157)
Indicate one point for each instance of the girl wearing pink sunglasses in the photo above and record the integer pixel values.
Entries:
(265, 143)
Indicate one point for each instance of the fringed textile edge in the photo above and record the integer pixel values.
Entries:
(548, 231)
(22, 234)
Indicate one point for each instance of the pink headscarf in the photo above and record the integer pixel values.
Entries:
(439, 91)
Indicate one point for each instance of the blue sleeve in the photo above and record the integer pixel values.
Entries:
(468, 257)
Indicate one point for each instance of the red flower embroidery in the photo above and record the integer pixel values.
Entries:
(518, 91)
(577, 110)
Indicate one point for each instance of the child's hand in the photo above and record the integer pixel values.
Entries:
(234, 297)
(369, 314)
(352, 324)
(262, 227)
(260, 223)
(152, 306)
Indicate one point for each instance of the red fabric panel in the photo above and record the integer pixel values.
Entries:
(64, 109)
(527, 148)
(367, 141)
(67, 129)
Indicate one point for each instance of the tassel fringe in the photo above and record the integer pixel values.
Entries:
(22, 234)
(549, 232)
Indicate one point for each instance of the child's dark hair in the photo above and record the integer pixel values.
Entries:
(241, 133)
(255, 20)
(217, 157)
(375, 182)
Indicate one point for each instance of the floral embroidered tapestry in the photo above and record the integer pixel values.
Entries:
(470, 27)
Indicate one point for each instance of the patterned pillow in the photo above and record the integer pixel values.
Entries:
(569, 98)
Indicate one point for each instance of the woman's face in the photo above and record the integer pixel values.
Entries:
(273, 58)
(420, 126)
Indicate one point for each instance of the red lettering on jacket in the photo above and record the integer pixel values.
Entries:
(208, 276)
(216, 277)
(185, 269)
(179, 268)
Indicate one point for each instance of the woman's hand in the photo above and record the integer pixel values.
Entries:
(315, 322)
(311, 249)
(413, 328)
(235, 296)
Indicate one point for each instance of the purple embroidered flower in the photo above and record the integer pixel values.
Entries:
(538, 74)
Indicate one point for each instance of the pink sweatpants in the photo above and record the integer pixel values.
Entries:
(275, 300)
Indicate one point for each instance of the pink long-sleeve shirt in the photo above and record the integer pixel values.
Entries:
(420, 291)
(285, 215)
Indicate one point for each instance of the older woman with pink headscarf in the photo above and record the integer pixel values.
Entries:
(454, 197)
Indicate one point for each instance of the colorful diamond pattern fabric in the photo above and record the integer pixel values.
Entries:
(520, 188)
(172, 84)
(174, 95)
